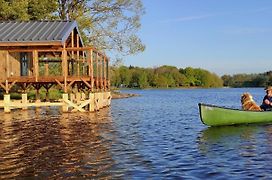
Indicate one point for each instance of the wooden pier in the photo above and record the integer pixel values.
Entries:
(56, 59)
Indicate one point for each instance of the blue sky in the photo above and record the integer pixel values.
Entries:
(222, 36)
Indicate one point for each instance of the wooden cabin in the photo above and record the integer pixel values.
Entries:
(47, 53)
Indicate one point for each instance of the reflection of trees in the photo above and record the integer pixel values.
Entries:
(59, 146)
(215, 140)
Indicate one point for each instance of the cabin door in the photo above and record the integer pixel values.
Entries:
(24, 64)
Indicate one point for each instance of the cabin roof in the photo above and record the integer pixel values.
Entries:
(14, 32)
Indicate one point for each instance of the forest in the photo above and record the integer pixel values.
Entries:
(162, 77)
(248, 80)
(173, 77)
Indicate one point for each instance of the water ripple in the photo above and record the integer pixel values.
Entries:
(157, 135)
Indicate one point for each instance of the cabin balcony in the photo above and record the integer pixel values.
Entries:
(67, 67)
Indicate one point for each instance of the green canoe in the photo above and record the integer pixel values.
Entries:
(217, 116)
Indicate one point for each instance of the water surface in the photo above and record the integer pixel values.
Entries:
(156, 135)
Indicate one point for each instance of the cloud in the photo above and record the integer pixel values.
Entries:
(187, 18)
(248, 30)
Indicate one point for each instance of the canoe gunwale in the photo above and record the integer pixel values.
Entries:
(231, 110)
(223, 107)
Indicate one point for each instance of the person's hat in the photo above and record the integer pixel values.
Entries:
(268, 88)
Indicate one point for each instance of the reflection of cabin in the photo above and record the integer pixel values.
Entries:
(47, 53)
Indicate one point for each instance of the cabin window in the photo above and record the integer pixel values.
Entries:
(24, 64)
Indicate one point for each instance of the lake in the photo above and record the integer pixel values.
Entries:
(157, 135)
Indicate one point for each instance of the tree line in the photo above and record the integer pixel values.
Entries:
(248, 80)
(163, 77)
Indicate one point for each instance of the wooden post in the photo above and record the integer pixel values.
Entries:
(83, 96)
(46, 66)
(91, 70)
(64, 68)
(104, 74)
(47, 95)
(7, 87)
(6, 103)
(96, 82)
(78, 97)
(72, 97)
(35, 64)
(91, 105)
(24, 101)
(108, 75)
(73, 43)
(65, 106)
(7, 65)
(101, 73)
(77, 43)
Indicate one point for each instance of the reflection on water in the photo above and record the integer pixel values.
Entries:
(228, 137)
(244, 149)
(34, 144)
(157, 135)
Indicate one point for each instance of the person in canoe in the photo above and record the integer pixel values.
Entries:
(267, 100)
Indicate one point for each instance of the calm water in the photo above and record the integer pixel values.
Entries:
(158, 135)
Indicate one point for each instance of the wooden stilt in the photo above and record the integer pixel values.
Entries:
(24, 101)
(78, 97)
(91, 105)
(65, 99)
(72, 97)
(6, 103)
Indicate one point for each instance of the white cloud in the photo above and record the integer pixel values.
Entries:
(187, 18)
(247, 30)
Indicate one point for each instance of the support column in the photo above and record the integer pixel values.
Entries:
(77, 44)
(64, 68)
(78, 97)
(35, 64)
(96, 78)
(7, 103)
(7, 65)
(24, 101)
(65, 106)
(91, 105)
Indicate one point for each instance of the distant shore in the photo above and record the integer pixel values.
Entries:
(121, 95)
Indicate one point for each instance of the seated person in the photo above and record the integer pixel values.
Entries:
(267, 100)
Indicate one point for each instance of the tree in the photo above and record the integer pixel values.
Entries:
(110, 25)
(14, 10)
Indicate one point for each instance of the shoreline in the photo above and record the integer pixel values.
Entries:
(120, 95)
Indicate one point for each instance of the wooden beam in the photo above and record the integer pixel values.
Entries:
(104, 74)
(108, 74)
(77, 45)
(64, 63)
(38, 49)
(59, 83)
(70, 84)
(35, 64)
(86, 83)
(7, 65)
(3, 86)
(5, 44)
(91, 69)
(12, 84)
(46, 67)
(101, 72)
(96, 81)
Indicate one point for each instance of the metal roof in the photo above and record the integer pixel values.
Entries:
(36, 31)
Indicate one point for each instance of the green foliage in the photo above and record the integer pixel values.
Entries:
(110, 25)
(162, 77)
(248, 80)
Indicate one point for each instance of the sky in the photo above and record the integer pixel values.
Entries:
(221, 36)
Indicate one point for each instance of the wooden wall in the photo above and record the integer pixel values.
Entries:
(10, 64)
(3, 57)
(14, 64)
